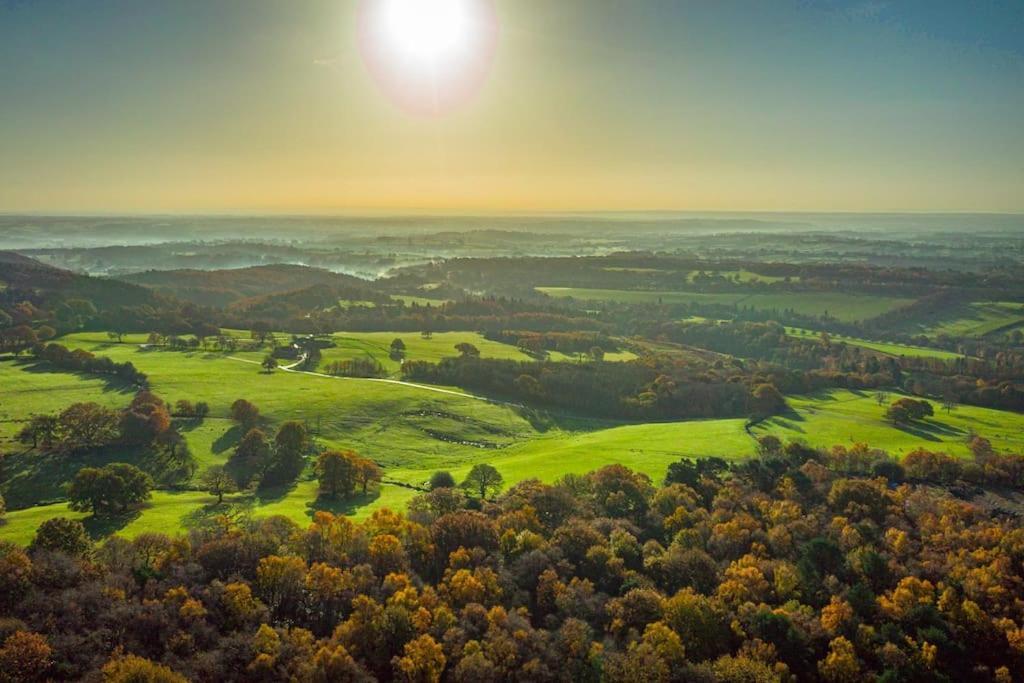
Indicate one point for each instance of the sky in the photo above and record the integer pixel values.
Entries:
(267, 106)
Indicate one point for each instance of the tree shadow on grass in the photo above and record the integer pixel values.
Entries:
(342, 506)
(32, 476)
(110, 382)
(101, 526)
(188, 424)
(791, 415)
(788, 424)
(275, 493)
(228, 439)
(206, 515)
(917, 429)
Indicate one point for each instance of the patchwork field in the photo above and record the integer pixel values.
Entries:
(972, 320)
(881, 347)
(845, 307)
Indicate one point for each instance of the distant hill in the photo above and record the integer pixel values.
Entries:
(23, 276)
(225, 288)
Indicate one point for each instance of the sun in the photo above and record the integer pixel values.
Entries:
(429, 56)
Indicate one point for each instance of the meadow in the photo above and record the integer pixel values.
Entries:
(844, 307)
(410, 430)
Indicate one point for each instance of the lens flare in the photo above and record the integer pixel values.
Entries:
(428, 56)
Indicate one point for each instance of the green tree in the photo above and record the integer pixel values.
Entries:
(288, 457)
(88, 425)
(41, 430)
(110, 488)
(253, 453)
(483, 479)
(269, 364)
(467, 350)
(442, 480)
(217, 481)
(397, 349)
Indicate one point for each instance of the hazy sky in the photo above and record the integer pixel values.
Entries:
(267, 105)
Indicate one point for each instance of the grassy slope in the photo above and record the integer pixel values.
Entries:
(412, 432)
(845, 417)
(846, 307)
(882, 347)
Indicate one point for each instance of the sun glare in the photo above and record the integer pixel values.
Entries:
(429, 56)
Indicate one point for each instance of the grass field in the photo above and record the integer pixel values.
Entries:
(412, 432)
(377, 345)
(881, 347)
(845, 307)
(846, 417)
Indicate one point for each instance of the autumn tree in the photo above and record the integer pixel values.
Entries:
(24, 656)
(63, 535)
(367, 472)
(245, 413)
(767, 400)
(336, 471)
(423, 661)
(133, 669)
(145, 419)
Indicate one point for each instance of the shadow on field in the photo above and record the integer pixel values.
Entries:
(206, 515)
(341, 506)
(110, 383)
(34, 475)
(102, 526)
(228, 439)
(930, 430)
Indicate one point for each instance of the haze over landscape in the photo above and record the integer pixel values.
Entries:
(584, 105)
(511, 340)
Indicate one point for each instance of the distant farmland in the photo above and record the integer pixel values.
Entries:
(844, 307)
